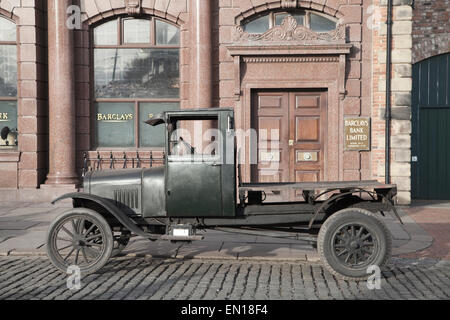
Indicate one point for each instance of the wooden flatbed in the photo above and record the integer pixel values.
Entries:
(311, 186)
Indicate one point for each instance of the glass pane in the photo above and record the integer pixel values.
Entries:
(300, 18)
(136, 31)
(201, 135)
(321, 24)
(167, 33)
(153, 136)
(8, 124)
(106, 34)
(137, 73)
(7, 30)
(259, 25)
(8, 71)
(115, 124)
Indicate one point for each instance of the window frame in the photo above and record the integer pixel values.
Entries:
(16, 98)
(137, 101)
(272, 17)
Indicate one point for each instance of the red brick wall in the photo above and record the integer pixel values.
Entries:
(431, 28)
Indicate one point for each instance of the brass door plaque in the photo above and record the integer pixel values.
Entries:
(265, 156)
(311, 156)
(357, 134)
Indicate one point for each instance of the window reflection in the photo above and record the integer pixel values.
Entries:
(7, 30)
(106, 34)
(166, 34)
(136, 31)
(321, 24)
(259, 25)
(8, 85)
(137, 73)
(140, 66)
(8, 70)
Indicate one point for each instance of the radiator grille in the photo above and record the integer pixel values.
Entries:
(127, 198)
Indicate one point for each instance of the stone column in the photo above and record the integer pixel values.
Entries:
(201, 85)
(62, 163)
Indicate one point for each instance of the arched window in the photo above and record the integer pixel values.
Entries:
(136, 76)
(8, 84)
(312, 20)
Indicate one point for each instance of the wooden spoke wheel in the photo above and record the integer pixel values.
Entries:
(80, 237)
(352, 240)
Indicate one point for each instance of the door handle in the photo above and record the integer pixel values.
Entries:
(216, 165)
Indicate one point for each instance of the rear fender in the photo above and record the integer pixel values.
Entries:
(380, 193)
(108, 206)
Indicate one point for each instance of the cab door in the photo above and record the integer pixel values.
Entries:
(194, 179)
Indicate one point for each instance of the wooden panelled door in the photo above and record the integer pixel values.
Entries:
(292, 133)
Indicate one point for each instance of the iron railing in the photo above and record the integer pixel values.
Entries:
(98, 163)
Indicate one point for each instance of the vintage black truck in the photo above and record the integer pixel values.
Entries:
(193, 192)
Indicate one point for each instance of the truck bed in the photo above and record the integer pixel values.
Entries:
(313, 186)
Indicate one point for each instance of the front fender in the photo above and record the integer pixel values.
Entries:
(109, 206)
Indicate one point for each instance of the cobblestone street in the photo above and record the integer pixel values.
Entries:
(138, 278)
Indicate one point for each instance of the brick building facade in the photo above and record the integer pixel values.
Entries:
(227, 53)
(431, 29)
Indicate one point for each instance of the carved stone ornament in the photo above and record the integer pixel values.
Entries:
(289, 32)
(133, 7)
(289, 3)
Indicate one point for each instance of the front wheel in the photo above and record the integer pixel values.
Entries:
(352, 240)
(80, 237)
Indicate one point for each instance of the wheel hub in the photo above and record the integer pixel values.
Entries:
(354, 244)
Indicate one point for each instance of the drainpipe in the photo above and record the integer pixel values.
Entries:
(388, 93)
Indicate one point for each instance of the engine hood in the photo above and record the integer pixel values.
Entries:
(138, 190)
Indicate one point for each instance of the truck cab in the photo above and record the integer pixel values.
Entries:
(200, 162)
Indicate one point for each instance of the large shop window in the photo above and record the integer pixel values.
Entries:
(8, 84)
(137, 76)
(314, 21)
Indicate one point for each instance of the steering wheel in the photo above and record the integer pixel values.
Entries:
(181, 147)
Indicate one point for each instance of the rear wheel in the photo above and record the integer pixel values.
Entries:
(80, 237)
(351, 240)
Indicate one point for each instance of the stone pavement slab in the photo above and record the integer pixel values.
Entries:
(419, 238)
(16, 225)
(29, 243)
(434, 220)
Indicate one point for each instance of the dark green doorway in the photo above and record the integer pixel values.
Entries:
(431, 129)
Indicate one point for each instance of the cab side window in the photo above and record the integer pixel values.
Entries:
(194, 137)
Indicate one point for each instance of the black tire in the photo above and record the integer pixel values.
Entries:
(351, 240)
(83, 233)
(120, 242)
